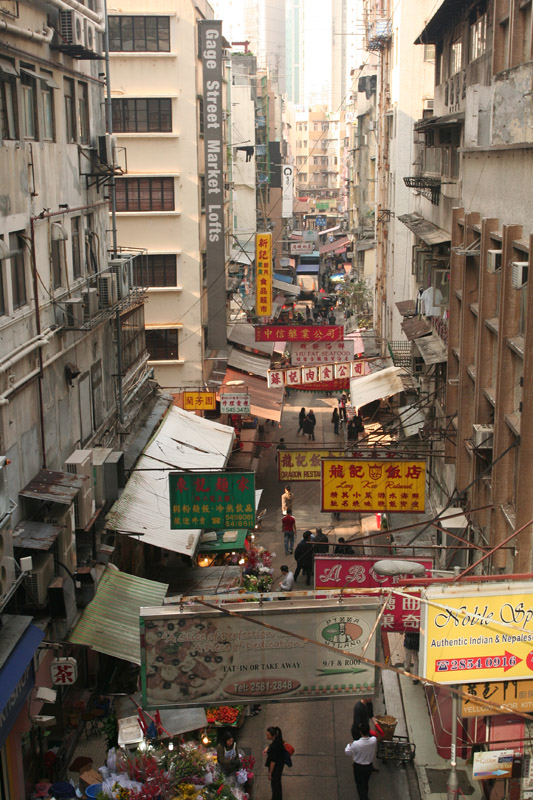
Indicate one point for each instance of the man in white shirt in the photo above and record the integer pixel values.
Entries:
(287, 583)
(362, 752)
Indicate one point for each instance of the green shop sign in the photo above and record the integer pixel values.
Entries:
(212, 500)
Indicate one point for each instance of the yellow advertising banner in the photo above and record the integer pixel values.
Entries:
(302, 465)
(518, 695)
(199, 401)
(263, 274)
(477, 632)
(373, 485)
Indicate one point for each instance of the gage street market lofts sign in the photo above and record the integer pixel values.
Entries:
(371, 485)
(190, 655)
(213, 500)
(299, 333)
(477, 632)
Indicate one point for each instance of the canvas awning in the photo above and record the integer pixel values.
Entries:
(110, 623)
(244, 334)
(175, 721)
(248, 362)
(424, 229)
(339, 245)
(265, 403)
(358, 344)
(412, 420)
(432, 349)
(182, 442)
(376, 386)
(307, 269)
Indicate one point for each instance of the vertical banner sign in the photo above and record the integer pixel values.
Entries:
(288, 191)
(211, 54)
(263, 274)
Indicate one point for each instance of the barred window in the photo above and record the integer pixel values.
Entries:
(145, 194)
(142, 115)
(139, 34)
(157, 270)
(162, 345)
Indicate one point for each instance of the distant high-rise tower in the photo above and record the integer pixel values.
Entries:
(339, 12)
(294, 51)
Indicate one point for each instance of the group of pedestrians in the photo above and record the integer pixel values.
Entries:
(307, 422)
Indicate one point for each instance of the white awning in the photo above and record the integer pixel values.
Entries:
(412, 420)
(244, 334)
(376, 386)
(288, 288)
(248, 362)
(239, 256)
(183, 441)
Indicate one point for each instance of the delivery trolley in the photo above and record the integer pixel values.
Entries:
(398, 749)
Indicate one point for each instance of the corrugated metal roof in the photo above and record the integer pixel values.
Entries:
(33, 535)
(424, 229)
(432, 349)
(414, 327)
(407, 308)
(55, 487)
(110, 623)
(244, 334)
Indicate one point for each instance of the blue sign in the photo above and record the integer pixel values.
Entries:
(321, 222)
(13, 707)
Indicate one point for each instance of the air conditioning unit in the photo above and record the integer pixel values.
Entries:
(519, 273)
(114, 475)
(494, 260)
(81, 463)
(106, 149)
(71, 28)
(90, 303)
(483, 436)
(120, 268)
(89, 38)
(40, 576)
(100, 454)
(74, 313)
(428, 104)
(107, 289)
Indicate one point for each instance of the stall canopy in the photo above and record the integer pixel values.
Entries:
(424, 229)
(284, 286)
(244, 334)
(174, 721)
(110, 623)
(182, 442)
(307, 269)
(248, 362)
(265, 403)
(376, 386)
(339, 246)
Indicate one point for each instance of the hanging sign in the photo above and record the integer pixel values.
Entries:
(64, 671)
(214, 500)
(263, 274)
(199, 401)
(301, 248)
(302, 465)
(234, 403)
(299, 333)
(517, 695)
(372, 485)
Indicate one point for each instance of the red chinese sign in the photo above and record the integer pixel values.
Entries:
(332, 376)
(299, 333)
(212, 500)
(344, 572)
(64, 671)
(263, 274)
(372, 485)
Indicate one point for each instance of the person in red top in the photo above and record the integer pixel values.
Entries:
(288, 527)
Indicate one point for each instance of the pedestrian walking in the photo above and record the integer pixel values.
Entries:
(287, 579)
(288, 527)
(362, 752)
(351, 431)
(304, 557)
(358, 425)
(335, 420)
(275, 760)
(309, 424)
(411, 644)
(343, 401)
(301, 419)
(287, 499)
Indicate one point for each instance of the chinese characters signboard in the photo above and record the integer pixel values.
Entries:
(302, 248)
(303, 353)
(344, 572)
(299, 333)
(302, 465)
(215, 500)
(64, 671)
(199, 401)
(372, 485)
(234, 403)
(263, 274)
(518, 695)
(191, 657)
(318, 374)
(478, 633)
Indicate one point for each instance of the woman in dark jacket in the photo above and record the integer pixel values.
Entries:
(301, 417)
(275, 760)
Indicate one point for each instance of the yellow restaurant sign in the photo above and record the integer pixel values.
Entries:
(518, 695)
(199, 401)
(263, 274)
(373, 485)
(302, 465)
(477, 632)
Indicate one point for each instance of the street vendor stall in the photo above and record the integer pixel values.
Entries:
(221, 547)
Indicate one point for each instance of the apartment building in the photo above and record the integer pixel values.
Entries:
(159, 117)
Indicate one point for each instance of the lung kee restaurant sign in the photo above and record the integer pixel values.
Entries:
(212, 500)
(371, 485)
(347, 572)
(299, 333)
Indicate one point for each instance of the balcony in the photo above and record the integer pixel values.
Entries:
(378, 33)
(428, 187)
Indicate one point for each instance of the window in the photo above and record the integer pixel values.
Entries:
(145, 194)
(202, 192)
(56, 256)
(139, 34)
(156, 270)
(18, 278)
(201, 119)
(162, 345)
(429, 52)
(525, 26)
(142, 115)
(478, 37)
(2, 293)
(76, 256)
(132, 337)
(47, 110)
(204, 268)
(70, 113)
(90, 239)
(83, 113)
(8, 107)
(29, 108)
(455, 57)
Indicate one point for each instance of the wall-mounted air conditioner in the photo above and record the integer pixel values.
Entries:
(90, 303)
(74, 313)
(519, 273)
(71, 28)
(494, 260)
(483, 436)
(107, 289)
(40, 576)
(120, 268)
(89, 38)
